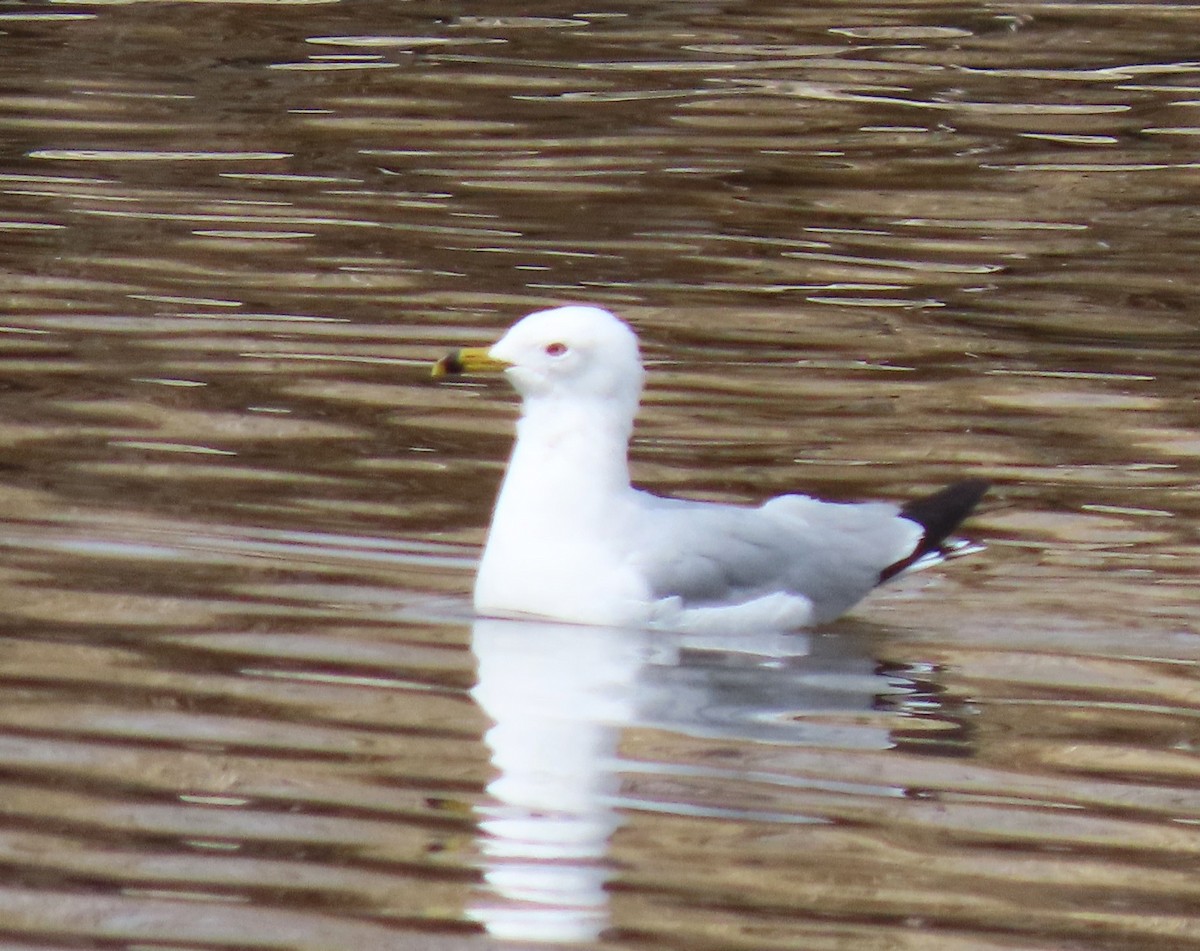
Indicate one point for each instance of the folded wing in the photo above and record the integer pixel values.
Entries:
(829, 553)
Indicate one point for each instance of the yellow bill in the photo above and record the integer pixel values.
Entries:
(468, 360)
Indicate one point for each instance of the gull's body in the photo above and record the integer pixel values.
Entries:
(571, 539)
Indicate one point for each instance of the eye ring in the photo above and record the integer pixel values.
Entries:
(555, 349)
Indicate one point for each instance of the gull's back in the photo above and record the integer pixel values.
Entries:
(827, 554)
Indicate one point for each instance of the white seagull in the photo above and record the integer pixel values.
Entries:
(572, 540)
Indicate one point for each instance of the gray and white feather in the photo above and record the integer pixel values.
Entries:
(572, 540)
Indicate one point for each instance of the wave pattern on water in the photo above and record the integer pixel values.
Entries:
(868, 250)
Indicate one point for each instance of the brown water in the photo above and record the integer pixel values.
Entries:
(869, 249)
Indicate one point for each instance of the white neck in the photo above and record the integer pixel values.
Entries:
(568, 458)
(564, 505)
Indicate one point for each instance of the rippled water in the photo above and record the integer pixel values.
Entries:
(869, 249)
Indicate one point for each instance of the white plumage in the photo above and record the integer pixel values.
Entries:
(572, 540)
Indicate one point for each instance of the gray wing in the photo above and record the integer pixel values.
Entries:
(711, 554)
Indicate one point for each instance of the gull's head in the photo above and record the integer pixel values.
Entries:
(575, 352)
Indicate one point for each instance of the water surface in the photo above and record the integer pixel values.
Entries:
(868, 251)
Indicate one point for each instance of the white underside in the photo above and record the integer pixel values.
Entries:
(772, 612)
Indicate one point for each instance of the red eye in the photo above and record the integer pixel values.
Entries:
(555, 349)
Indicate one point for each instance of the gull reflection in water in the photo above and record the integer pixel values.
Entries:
(559, 696)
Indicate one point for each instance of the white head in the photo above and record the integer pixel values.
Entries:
(576, 353)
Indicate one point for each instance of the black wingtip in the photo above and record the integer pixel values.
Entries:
(942, 512)
(939, 514)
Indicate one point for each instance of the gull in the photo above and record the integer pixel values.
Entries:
(572, 540)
